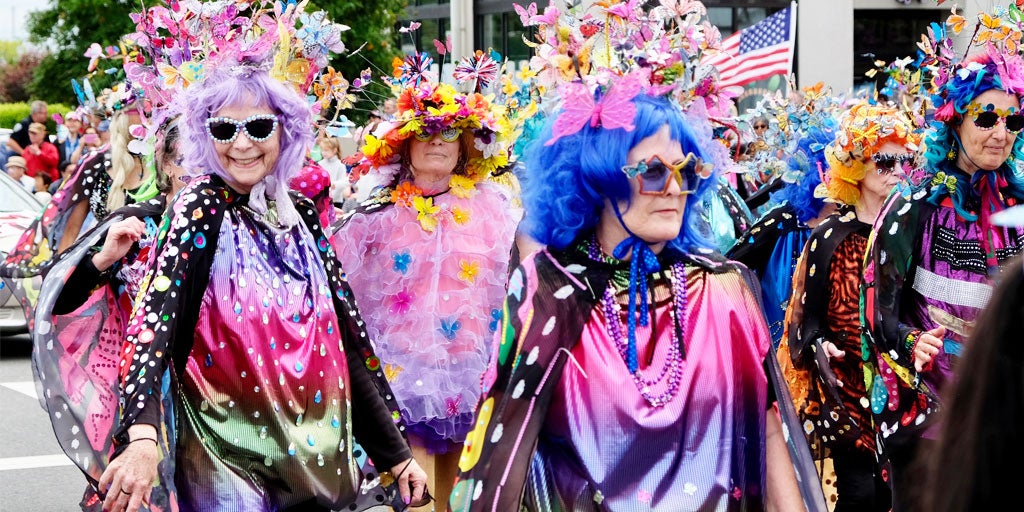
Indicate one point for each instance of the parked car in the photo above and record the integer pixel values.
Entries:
(18, 208)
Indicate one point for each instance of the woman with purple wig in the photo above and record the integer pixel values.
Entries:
(272, 372)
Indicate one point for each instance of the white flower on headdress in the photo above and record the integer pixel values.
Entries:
(489, 150)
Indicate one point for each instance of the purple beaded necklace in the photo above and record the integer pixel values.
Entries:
(672, 371)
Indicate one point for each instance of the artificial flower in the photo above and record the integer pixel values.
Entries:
(426, 212)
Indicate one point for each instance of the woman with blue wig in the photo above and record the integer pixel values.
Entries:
(627, 372)
(936, 254)
(273, 374)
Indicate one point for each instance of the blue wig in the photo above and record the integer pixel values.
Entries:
(565, 185)
(808, 161)
(996, 73)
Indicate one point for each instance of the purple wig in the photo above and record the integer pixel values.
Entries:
(234, 85)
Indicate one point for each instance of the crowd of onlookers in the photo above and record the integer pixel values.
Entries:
(42, 161)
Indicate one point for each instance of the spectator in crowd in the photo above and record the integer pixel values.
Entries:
(375, 119)
(69, 135)
(41, 187)
(103, 130)
(67, 169)
(389, 109)
(16, 169)
(90, 142)
(340, 186)
(19, 138)
(40, 155)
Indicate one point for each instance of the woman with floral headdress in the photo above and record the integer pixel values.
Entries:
(428, 256)
(627, 373)
(821, 347)
(936, 253)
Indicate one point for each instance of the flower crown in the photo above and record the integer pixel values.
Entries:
(430, 108)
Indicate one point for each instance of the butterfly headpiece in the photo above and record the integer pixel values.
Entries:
(863, 130)
(176, 46)
(990, 61)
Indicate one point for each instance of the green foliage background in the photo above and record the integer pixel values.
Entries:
(12, 113)
(68, 27)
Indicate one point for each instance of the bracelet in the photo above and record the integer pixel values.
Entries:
(145, 439)
(911, 341)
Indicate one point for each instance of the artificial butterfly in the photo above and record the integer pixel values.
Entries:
(614, 110)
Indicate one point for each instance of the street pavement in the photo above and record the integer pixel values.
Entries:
(35, 475)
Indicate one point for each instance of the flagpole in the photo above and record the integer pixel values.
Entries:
(792, 41)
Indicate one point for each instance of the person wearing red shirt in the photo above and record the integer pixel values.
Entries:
(41, 155)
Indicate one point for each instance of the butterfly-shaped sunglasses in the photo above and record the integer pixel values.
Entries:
(985, 118)
(654, 174)
(888, 163)
(257, 127)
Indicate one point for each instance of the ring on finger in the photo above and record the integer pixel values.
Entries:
(126, 492)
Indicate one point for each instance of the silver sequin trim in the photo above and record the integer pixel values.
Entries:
(951, 291)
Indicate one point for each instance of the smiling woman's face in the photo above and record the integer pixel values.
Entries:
(245, 160)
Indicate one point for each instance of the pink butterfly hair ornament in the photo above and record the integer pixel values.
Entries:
(613, 110)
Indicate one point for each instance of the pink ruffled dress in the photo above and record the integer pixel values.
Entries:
(429, 281)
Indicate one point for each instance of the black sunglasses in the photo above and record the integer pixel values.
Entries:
(886, 163)
(987, 120)
(257, 127)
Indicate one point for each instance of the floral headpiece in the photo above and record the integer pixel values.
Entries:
(430, 108)
(587, 48)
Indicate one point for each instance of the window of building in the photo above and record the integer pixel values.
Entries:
(887, 35)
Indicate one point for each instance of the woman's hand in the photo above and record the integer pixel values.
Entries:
(928, 345)
(119, 241)
(410, 476)
(832, 351)
(129, 478)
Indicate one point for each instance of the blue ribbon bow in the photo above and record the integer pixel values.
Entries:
(642, 263)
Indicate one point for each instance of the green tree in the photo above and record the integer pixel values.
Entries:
(9, 51)
(68, 27)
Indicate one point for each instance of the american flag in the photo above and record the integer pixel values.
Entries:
(759, 51)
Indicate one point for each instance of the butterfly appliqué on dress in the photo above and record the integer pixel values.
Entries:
(450, 327)
(451, 405)
(615, 109)
(401, 261)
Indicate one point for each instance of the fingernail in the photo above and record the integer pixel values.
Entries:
(406, 500)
